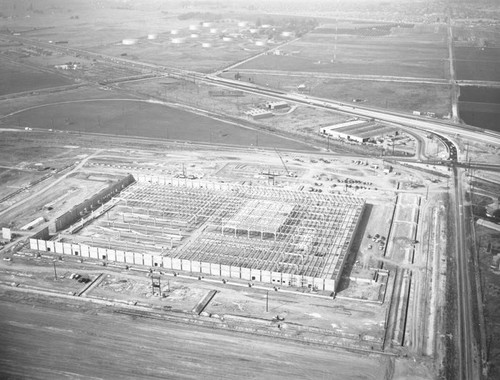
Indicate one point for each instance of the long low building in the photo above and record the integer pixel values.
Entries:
(268, 235)
(346, 130)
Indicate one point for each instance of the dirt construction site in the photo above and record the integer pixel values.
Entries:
(213, 191)
(297, 248)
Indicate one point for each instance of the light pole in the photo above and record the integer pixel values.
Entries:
(55, 272)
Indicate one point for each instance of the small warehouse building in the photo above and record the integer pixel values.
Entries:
(347, 131)
(277, 105)
(257, 113)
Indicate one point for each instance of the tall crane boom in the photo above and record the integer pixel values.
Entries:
(288, 172)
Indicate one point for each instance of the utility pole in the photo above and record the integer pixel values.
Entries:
(267, 301)
(55, 272)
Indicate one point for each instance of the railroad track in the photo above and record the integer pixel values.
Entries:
(467, 367)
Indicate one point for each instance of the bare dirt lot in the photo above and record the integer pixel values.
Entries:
(53, 339)
(489, 255)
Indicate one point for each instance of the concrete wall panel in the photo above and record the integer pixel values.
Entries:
(75, 249)
(235, 272)
(85, 250)
(245, 274)
(167, 262)
(295, 280)
(34, 244)
(255, 275)
(186, 265)
(225, 271)
(102, 253)
(138, 258)
(67, 248)
(330, 285)
(286, 279)
(205, 268)
(148, 259)
(265, 276)
(176, 264)
(214, 269)
(50, 246)
(42, 245)
(129, 257)
(156, 261)
(58, 246)
(319, 283)
(111, 255)
(276, 278)
(120, 256)
(195, 267)
(94, 254)
(306, 281)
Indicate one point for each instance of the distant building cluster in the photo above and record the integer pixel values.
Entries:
(69, 66)
(264, 111)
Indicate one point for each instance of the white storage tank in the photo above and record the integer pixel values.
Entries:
(129, 41)
(152, 36)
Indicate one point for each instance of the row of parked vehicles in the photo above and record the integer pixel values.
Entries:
(377, 238)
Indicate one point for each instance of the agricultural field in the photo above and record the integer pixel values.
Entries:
(480, 106)
(406, 52)
(16, 77)
(142, 119)
(406, 97)
(477, 63)
(299, 122)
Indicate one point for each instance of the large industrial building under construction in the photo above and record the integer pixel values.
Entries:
(262, 234)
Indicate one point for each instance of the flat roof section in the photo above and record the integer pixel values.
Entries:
(345, 124)
(246, 227)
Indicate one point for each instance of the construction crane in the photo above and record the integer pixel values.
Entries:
(288, 172)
